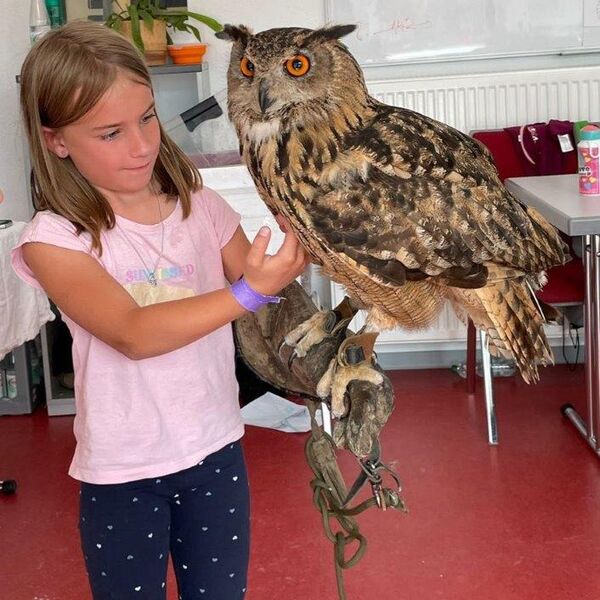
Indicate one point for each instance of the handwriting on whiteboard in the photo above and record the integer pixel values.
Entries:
(395, 27)
(403, 25)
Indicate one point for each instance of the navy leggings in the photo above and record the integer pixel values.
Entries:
(200, 516)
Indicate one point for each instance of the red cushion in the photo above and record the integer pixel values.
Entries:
(571, 163)
(500, 145)
(566, 284)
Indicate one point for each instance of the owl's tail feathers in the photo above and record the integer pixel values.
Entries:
(507, 310)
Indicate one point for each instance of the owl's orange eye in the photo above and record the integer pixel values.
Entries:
(247, 67)
(298, 65)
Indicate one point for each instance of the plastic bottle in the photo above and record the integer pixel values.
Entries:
(3, 383)
(11, 385)
(56, 13)
(501, 367)
(39, 21)
(588, 151)
(10, 376)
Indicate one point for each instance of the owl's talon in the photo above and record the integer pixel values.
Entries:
(313, 331)
(354, 361)
(309, 333)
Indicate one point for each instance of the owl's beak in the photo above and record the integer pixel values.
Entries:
(263, 97)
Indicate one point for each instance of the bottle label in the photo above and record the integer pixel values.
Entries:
(589, 169)
(55, 14)
(11, 385)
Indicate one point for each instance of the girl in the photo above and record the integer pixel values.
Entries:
(136, 254)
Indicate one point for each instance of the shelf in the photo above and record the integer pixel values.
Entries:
(172, 69)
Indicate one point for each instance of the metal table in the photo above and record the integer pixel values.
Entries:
(557, 198)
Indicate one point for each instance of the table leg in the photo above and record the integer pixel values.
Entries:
(589, 430)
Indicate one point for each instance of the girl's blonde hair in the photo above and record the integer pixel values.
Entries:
(63, 77)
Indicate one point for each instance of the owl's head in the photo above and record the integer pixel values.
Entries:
(283, 73)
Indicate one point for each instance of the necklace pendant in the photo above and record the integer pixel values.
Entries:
(152, 279)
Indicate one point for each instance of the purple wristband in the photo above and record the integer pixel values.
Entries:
(249, 298)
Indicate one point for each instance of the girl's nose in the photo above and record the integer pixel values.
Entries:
(140, 143)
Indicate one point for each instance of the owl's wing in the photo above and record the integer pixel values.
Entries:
(430, 204)
(418, 144)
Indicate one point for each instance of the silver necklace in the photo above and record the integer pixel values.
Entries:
(150, 274)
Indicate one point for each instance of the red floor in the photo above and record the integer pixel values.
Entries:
(516, 522)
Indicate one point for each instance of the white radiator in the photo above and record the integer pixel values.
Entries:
(498, 100)
(484, 101)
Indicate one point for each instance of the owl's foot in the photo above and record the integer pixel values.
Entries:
(353, 362)
(319, 326)
(362, 397)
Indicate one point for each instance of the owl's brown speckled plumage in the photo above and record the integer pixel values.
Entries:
(404, 211)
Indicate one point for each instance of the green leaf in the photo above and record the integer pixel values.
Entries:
(135, 26)
(212, 23)
(148, 20)
(195, 31)
(185, 14)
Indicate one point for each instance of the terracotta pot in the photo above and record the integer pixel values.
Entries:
(186, 54)
(155, 41)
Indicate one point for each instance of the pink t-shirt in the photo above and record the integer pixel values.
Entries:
(145, 418)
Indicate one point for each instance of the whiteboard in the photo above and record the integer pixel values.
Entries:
(430, 30)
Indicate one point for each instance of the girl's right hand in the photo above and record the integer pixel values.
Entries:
(268, 274)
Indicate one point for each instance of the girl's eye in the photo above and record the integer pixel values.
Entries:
(108, 137)
(148, 117)
(247, 67)
(298, 65)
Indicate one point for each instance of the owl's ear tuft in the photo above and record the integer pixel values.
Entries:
(234, 34)
(333, 32)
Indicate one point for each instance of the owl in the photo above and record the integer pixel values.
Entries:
(406, 212)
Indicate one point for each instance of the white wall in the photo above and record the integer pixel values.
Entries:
(14, 43)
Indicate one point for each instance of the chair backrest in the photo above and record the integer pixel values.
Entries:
(509, 160)
(498, 142)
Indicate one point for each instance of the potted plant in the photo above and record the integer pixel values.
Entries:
(145, 22)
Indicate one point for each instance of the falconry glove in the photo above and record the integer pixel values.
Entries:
(364, 399)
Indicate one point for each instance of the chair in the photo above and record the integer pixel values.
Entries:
(565, 287)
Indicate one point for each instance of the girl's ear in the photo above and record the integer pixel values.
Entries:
(55, 142)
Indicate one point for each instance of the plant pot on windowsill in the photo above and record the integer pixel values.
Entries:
(155, 40)
(186, 54)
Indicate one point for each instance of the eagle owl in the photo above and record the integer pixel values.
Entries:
(404, 211)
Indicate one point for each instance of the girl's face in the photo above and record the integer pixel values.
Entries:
(115, 145)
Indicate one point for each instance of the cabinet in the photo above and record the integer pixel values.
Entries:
(20, 380)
